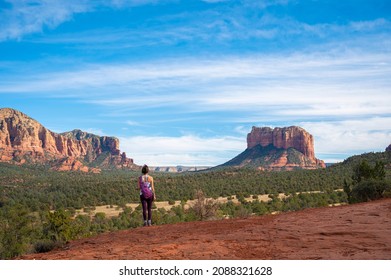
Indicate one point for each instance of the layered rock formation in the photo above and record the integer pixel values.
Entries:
(284, 148)
(24, 140)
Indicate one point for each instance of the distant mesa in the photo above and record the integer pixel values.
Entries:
(178, 169)
(388, 149)
(24, 140)
(285, 148)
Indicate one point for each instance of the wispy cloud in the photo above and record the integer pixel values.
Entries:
(214, 1)
(133, 123)
(343, 138)
(345, 96)
(22, 17)
(232, 21)
(183, 150)
(349, 137)
(25, 17)
(230, 64)
(299, 85)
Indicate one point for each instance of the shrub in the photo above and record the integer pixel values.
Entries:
(15, 231)
(364, 171)
(369, 190)
(259, 208)
(100, 216)
(58, 226)
(242, 212)
(44, 246)
(72, 211)
(368, 183)
(204, 208)
(171, 202)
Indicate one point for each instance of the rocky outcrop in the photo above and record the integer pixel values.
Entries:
(284, 148)
(24, 140)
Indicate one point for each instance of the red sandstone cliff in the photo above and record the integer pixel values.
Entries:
(278, 149)
(23, 139)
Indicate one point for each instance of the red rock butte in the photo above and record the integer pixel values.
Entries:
(285, 137)
(278, 149)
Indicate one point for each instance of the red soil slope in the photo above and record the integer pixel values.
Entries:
(360, 231)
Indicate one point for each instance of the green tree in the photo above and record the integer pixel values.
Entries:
(379, 172)
(369, 190)
(81, 226)
(364, 171)
(368, 182)
(347, 188)
(58, 226)
(16, 231)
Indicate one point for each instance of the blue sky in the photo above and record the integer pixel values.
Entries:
(183, 82)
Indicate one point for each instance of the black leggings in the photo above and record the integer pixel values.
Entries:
(147, 206)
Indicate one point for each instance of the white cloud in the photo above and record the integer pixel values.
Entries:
(297, 86)
(27, 16)
(132, 3)
(22, 17)
(242, 130)
(342, 99)
(324, 83)
(183, 150)
(96, 131)
(227, 73)
(350, 136)
(334, 141)
(237, 21)
(381, 23)
(215, 1)
(133, 123)
(241, 20)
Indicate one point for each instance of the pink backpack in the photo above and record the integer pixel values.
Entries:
(145, 187)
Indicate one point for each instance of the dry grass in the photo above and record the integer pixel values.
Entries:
(115, 210)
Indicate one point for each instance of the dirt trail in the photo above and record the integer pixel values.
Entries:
(360, 231)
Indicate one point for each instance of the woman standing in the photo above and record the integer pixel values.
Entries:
(147, 194)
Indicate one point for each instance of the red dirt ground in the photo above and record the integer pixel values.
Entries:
(360, 231)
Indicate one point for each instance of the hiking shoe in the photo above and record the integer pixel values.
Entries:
(149, 223)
